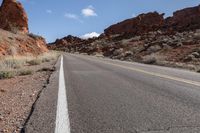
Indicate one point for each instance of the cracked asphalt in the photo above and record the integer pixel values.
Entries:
(107, 96)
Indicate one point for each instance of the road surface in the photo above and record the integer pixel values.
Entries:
(107, 96)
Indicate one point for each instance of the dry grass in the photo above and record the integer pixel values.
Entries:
(14, 65)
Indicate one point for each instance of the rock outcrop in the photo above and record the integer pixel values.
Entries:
(72, 44)
(138, 25)
(13, 17)
(185, 19)
(14, 36)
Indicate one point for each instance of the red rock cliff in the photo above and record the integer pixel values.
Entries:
(13, 17)
(182, 20)
(140, 24)
(185, 19)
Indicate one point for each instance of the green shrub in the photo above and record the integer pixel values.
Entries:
(34, 62)
(6, 74)
(25, 72)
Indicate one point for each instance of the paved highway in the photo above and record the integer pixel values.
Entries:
(107, 96)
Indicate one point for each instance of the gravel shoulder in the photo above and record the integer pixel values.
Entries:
(18, 94)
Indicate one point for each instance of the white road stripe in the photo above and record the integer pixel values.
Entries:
(62, 116)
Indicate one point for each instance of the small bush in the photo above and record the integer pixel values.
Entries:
(34, 36)
(150, 60)
(11, 63)
(47, 57)
(34, 62)
(6, 74)
(47, 69)
(25, 72)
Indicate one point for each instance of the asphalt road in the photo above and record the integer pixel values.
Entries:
(107, 96)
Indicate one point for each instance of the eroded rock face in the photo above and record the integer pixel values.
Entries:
(13, 17)
(141, 24)
(184, 20)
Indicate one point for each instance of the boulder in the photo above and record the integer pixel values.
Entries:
(13, 17)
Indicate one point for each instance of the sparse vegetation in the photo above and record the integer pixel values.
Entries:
(198, 71)
(25, 72)
(14, 65)
(34, 62)
(34, 36)
(149, 60)
(6, 74)
(46, 57)
(47, 69)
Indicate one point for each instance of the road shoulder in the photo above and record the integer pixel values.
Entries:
(43, 116)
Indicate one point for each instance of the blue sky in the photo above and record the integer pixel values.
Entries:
(58, 18)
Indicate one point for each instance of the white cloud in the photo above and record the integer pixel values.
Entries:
(90, 35)
(89, 11)
(49, 11)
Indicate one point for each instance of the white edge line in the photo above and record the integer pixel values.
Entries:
(62, 116)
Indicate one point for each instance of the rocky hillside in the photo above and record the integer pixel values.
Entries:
(14, 36)
(73, 44)
(141, 24)
(182, 20)
(147, 38)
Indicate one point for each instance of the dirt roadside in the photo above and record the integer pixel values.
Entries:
(18, 94)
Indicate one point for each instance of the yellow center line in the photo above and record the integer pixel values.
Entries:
(149, 73)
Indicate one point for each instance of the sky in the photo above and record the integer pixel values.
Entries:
(84, 18)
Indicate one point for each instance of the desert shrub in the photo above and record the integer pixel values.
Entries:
(198, 71)
(11, 63)
(34, 62)
(6, 74)
(34, 36)
(149, 60)
(45, 69)
(47, 57)
(25, 72)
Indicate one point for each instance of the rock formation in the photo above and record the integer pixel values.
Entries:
(185, 19)
(71, 44)
(14, 36)
(140, 24)
(13, 17)
(182, 20)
